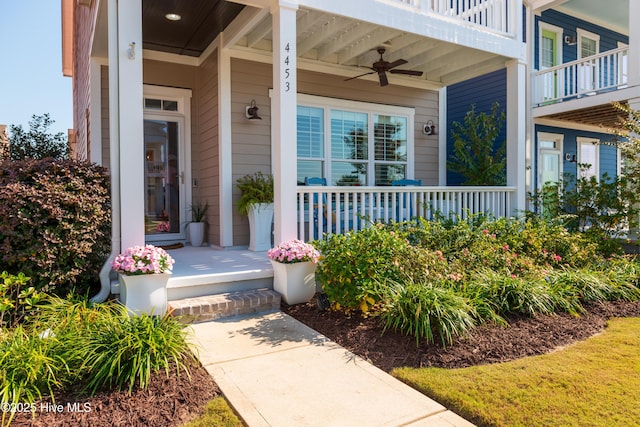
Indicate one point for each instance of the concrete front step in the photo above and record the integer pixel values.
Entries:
(211, 307)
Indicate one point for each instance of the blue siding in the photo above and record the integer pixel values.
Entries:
(608, 39)
(482, 91)
(608, 153)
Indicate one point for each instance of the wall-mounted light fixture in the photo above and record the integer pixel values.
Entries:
(570, 157)
(131, 52)
(570, 40)
(429, 128)
(251, 111)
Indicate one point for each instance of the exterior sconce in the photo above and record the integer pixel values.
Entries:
(251, 111)
(571, 158)
(429, 128)
(570, 40)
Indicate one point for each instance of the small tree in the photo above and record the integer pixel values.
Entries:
(475, 154)
(38, 142)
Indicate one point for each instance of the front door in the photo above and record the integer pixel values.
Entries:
(164, 178)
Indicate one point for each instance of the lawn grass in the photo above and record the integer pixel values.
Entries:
(218, 413)
(595, 382)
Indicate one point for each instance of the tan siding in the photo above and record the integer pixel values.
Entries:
(251, 139)
(104, 95)
(83, 26)
(205, 156)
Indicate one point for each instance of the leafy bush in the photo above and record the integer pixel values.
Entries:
(476, 156)
(16, 299)
(56, 222)
(420, 309)
(351, 265)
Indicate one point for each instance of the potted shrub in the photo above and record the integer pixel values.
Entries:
(256, 202)
(294, 266)
(198, 224)
(143, 272)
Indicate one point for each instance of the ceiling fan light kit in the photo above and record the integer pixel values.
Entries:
(381, 67)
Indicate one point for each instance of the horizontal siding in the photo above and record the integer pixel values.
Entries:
(608, 39)
(205, 156)
(482, 92)
(252, 141)
(608, 153)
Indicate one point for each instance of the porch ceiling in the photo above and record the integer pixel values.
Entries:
(327, 42)
(604, 116)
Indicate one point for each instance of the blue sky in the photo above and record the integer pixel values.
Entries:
(31, 80)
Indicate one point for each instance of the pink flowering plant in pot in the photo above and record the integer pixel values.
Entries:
(139, 260)
(294, 251)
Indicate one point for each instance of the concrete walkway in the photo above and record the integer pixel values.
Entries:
(276, 371)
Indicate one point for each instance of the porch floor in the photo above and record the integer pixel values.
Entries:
(209, 271)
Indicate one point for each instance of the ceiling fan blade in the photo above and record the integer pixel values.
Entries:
(407, 72)
(397, 63)
(383, 78)
(361, 75)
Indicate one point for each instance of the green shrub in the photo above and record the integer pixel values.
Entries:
(422, 309)
(16, 299)
(352, 264)
(55, 224)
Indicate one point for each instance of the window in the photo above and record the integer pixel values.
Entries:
(549, 54)
(353, 143)
(588, 155)
(588, 45)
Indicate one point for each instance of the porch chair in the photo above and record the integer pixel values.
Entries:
(404, 203)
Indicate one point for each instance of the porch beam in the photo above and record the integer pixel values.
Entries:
(131, 120)
(516, 133)
(283, 118)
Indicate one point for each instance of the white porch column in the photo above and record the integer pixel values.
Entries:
(130, 117)
(225, 186)
(633, 72)
(516, 132)
(284, 119)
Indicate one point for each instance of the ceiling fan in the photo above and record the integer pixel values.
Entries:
(381, 67)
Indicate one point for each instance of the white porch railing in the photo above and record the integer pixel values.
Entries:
(342, 209)
(495, 15)
(587, 76)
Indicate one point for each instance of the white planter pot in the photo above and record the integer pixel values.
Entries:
(145, 293)
(260, 220)
(295, 282)
(196, 233)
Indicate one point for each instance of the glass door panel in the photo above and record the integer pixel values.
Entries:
(162, 179)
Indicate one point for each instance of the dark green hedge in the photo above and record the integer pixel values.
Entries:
(55, 222)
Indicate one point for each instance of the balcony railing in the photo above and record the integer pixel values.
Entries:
(494, 15)
(587, 76)
(342, 209)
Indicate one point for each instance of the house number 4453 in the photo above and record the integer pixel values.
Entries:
(287, 74)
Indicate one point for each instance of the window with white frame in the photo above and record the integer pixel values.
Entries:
(588, 157)
(353, 143)
(588, 45)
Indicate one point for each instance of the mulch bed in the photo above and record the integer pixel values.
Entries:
(525, 336)
(173, 400)
(169, 401)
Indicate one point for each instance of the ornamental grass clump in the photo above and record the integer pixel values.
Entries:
(294, 251)
(424, 309)
(139, 260)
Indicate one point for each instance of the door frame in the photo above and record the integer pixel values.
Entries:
(558, 138)
(182, 115)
